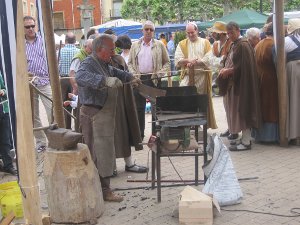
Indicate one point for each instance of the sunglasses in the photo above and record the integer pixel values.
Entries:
(147, 29)
(29, 26)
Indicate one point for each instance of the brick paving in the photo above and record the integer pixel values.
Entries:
(276, 190)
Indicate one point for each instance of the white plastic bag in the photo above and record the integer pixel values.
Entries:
(222, 181)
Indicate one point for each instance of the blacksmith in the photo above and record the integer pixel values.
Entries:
(99, 87)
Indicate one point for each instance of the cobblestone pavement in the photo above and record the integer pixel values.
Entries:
(276, 189)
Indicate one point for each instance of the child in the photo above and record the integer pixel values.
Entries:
(72, 103)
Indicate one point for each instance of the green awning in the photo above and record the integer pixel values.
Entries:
(245, 18)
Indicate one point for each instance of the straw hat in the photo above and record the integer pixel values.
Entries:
(293, 25)
(218, 27)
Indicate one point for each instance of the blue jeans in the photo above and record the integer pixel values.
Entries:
(5, 143)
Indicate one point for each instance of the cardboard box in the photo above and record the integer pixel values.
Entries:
(196, 207)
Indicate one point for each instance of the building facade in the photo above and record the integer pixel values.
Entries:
(29, 8)
(111, 10)
(72, 14)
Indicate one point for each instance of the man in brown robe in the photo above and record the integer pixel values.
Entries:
(242, 97)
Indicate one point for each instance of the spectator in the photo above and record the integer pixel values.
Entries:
(78, 58)
(292, 49)
(124, 43)
(253, 36)
(66, 55)
(268, 89)
(220, 50)
(171, 51)
(241, 101)
(148, 57)
(192, 55)
(119, 62)
(38, 67)
(162, 38)
(5, 143)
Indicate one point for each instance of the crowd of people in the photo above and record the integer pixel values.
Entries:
(100, 80)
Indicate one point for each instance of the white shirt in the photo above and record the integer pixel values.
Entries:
(145, 58)
(75, 65)
(290, 45)
(125, 57)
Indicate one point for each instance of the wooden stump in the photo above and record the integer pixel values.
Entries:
(73, 186)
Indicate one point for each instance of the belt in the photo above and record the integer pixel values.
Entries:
(93, 106)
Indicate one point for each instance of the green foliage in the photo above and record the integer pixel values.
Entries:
(292, 5)
(162, 11)
(255, 5)
(179, 36)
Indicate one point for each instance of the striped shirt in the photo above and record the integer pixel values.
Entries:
(36, 61)
(66, 55)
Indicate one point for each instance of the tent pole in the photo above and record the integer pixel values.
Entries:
(281, 72)
(25, 147)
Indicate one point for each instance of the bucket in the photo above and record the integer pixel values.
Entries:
(11, 199)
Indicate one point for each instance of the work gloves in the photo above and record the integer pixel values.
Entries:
(113, 82)
(135, 82)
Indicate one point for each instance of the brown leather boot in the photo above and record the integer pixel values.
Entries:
(109, 196)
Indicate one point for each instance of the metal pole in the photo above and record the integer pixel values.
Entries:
(52, 63)
(73, 16)
(260, 6)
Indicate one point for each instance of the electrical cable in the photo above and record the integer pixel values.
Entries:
(176, 170)
(292, 211)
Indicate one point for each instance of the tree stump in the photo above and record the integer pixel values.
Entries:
(73, 186)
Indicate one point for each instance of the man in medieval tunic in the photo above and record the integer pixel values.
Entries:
(192, 55)
(242, 103)
(104, 127)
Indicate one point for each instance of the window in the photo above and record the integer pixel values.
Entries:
(58, 20)
(117, 9)
(87, 20)
(32, 10)
(25, 7)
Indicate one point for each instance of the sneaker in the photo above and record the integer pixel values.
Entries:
(225, 134)
(41, 148)
(235, 142)
(136, 169)
(233, 136)
(109, 196)
(240, 147)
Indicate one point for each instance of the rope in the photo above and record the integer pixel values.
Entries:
(142, 74)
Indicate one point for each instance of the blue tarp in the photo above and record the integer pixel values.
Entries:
(122, 30)
(135, 31)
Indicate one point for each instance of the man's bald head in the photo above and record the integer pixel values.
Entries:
(70, 38)
(192, 31)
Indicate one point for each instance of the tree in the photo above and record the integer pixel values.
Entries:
(180, 11)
